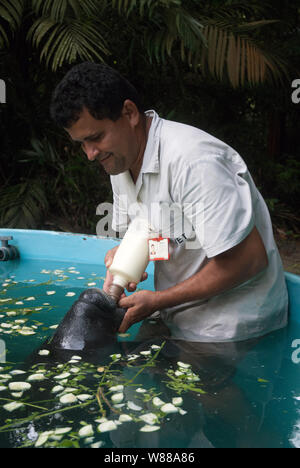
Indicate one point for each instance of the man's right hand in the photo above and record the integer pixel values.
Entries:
(109, 277)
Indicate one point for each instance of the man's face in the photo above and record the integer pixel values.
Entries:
(114, 144)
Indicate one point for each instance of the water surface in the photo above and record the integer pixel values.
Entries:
(225, 395)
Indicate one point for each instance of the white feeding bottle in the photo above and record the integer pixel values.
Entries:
(131, 258)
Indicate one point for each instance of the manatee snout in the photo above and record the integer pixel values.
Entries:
(91, 323)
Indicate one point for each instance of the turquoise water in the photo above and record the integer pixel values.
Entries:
(231, 396)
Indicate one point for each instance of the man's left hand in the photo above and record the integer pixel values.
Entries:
(139, 306)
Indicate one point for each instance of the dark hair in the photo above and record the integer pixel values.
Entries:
(98, 87)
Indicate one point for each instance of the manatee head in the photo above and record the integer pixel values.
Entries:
(91, 323)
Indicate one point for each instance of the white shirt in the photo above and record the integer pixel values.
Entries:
(209, 188)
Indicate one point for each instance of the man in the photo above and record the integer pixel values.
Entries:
(224, 280)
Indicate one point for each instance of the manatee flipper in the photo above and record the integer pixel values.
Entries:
(91, 323)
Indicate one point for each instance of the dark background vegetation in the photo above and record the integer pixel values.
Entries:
(224, 66)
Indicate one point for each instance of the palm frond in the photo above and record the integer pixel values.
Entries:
(221, 44)
(65, 42)
(239, 55)
(128, 6)
(11, 12)
(57, 10)
(22, 205)
(256, 24)
(175, 28)
(3, 37)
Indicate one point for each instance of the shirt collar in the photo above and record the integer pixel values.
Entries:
(151, 154)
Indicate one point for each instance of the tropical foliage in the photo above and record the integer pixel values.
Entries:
(217, 65)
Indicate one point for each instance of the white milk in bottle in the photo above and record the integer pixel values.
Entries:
(131, 258)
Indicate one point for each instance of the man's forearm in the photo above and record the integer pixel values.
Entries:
(209, 282)
(220, 274)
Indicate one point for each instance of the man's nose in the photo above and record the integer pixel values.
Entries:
(91, 151)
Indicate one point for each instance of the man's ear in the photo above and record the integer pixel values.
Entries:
(131, 112)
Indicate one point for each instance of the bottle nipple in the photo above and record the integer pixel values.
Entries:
(115, 292)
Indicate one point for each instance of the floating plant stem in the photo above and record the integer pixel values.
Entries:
(100, 395)
(184, 382)
(148, 363)
(104, 393)
(19, 422)
(24, 403)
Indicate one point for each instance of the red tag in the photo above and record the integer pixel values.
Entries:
(159, 248)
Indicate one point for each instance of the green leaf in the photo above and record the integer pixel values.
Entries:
(65, 42)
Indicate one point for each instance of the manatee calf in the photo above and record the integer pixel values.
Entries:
(91, 323)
